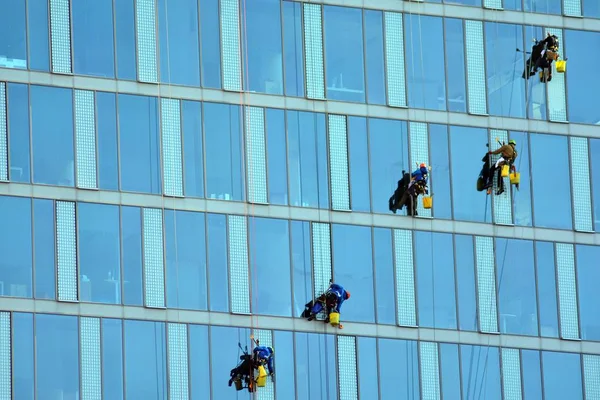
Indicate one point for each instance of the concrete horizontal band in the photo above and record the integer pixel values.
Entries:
(301, 104)
(297, 325)
(297, 213)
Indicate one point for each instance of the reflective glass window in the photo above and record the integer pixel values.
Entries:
(276, 152)
(193, 147)
(449, 371)
(465, 282)
(185, 245)
(302, 265)
(515, 274)
(224, 152)
(224, 356)
(476, 3)
(261, 38)
(218, 266)
(358, 159)
(532, 375)
(145, 360)
(292, 47)
(307, 158)
(394, 374)
(536, 90)
(562, 375)
(468, 206)
(435, 280)
(18, 130)
(543, 7)
(546, 279)
(552, 189)
(353, 269)
(516, 5)
(344, 59)
(284, 343)
(591, 9)
(56, 356)
(179, 42)
(384, 276)
(426, 75)
(39, 45)
(522, 196)
(112, 358)
(108, 142)
(302, 366)
(388, 152)
(581, 102)
(480, 366)
(139, 144)
(588, 274)
(15, 247)
(125, 43)
(269, 252)
(595, 177)
(505, 86)
(366, 360)
(23, 363)
(93, 41)
(131, 247)
(455, 64)
(44, 249)
(440, 165)
(316, 369)
(99, 253)
(13, 42)
(198, 350)
(52, 135)
(210, 44)
(375, 65)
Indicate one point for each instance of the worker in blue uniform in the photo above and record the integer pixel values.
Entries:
(264, 355)
(332, 299)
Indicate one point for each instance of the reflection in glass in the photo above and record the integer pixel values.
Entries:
(440, 163)
(93, 49)
(543, 6)
(532, 375)
(301, 263)
(292, 46)
(316, 370)
(276, 152)
(131, 247)
(366, 357)
(198, 361)
(374, 54)
(588, 274)
(465, 282)
(13, 43)
(562, 375)
(112, 358)
(218, 266)
(284, 343)
(546, 279)
(108, 142)
(480, 367)
(125, 41)
(384, 276)
(210, 44)
(23, 363)
(44, 249)
(15, 247)
(536, 90)
(455, 64)
(449, 371)
(581, 108)
(522, 195)
(394, 374)
(18, 131)
(224, 356)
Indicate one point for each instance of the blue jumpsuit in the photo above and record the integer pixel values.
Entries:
(420, 174)
(265, 353)
(340, 293)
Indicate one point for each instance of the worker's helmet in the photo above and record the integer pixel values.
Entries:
(347, 295)
(422, 165)
(512, 141)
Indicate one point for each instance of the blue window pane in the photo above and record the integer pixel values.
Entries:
(546, 278)
(18, 130)
(210, 44)
(269, 251)
(366, 349)
(178, 41)
(562, 375)
(112, 358)
(536, 90)
(516, 5)
(506, 91)
(15, 247)
(39, 47)
(198, 361)
(277, 162)
(425, 70)
(374, 56)
(384, 276)
(551, 189)
(261, 29)
(344, 61)
(139, 144)
(316, 368)
(217, 262)
(52, 135)
(23, 364)
(480, 372)
(99, 253)
(468, 206)
(224, 356)
(359, 164)
(476, 3)
(284, 343)
(301, 263)
(145, 360)
(292, 46)
(595, 177)
(465, 282)
(185, 240)
(193, 157)
(522, 197)
(393, 374)
(132, 255)
(435, 280)
(106, 125)
(44, 250)
(581, 106)
(388, 152)
(353, 269)
(449, 371)
(532, 375)
(515, 274)
(125, 31)
(543, 7)
(455, 63)
(440, 164)
(224, 152)
(13, 43)
(591, 9)
(588, 274)
(57, 356)
(93, 42)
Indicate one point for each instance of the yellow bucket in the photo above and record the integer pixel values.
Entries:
(561, 66)
(515, 178)
(261, 381)
(334, 318)
(505, 170)
(427, 202)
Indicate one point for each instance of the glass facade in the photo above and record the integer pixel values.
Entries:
(178, 176)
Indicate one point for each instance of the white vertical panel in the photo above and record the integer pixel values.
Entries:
(493, 4)
(230, 45)
(405, 277)
(567, 291)
(572, 8)
(591, 376)
(66, 251)
(178, 361)
(91, 367)
(557, 98)
(430, 375)
(5, 357)
(419, 153)
(394, 59)
(145, 24)
(171, 147)
(582, 193)
(239, 288)
(511, 374)
(154, 271)
(502, 203)
(265, 338)
(256, 157)
(85, 139)
(486, 284)
(313, 50)
(3, 134)
(338, 162)
(60, 36)
(346, 357)
(476, 78)
(321, 244)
